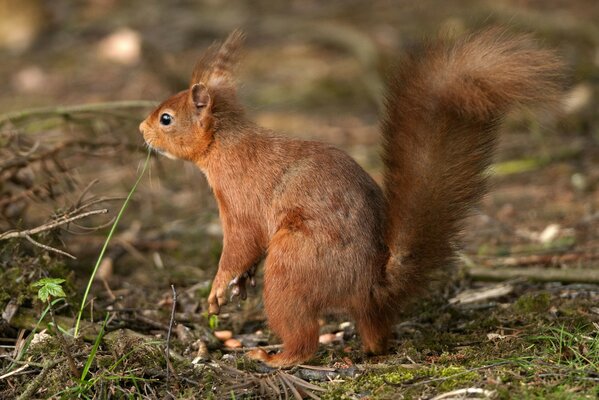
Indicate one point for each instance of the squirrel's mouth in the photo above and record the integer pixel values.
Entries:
(160, 151)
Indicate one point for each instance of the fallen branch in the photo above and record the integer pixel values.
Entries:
(39, 379)
(21, 161)
(274, 384)
(584, 275)
(27, 318)
(542, 259)
(69, 110)
(16, 371)
(467, 393)
(62, 220)
(476, 295)
(245, 349)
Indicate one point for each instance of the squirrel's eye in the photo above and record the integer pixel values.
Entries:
(166, 119)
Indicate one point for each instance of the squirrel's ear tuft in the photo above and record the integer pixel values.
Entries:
(227, 57)
(200, 97)
(217, 64)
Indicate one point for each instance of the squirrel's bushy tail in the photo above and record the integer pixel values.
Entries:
(444, 106)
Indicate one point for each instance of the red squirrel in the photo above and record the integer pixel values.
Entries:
(332, 240)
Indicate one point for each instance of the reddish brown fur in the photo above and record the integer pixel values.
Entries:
(331, 239)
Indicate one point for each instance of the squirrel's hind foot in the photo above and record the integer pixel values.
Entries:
(279, 360)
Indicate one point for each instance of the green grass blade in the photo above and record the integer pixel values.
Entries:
(92, 354)
(107, 241)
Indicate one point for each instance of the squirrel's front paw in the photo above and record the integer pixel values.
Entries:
(217, 297)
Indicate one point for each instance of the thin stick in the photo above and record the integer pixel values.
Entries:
(465, 393)
(39, 379)
(84, 192)
(168, 337)
(29, 158)
(542, 259)
(49, 248)
(16, 371)
(51, 225)
(244, 349)
(68, 110)
(585, 275)
(65, 219)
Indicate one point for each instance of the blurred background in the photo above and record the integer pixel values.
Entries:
(313, 70)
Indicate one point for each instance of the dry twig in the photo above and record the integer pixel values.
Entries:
(168, 337)
(467, 393)
(277, 384)
(61, 220)
(585, 275)
(39, 379)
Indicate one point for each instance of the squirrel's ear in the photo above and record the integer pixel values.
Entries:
(200, 97)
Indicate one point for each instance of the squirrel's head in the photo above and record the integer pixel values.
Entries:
(184, 126)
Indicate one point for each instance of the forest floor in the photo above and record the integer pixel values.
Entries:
(517, 317)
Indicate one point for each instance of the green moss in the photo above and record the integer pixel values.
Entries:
(49, 347)
(18, 270)
(533, 303)
(383, 384)
(456, 376)
(375, 384)
(135, 350)
(555, 392)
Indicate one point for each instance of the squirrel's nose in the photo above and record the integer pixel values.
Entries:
(142, 127)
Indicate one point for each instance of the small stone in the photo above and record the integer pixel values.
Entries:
(214, 229)
(577, 98)
(223, 336)
(30, 79)
(345, 325)
(203, 354)
(40, 337)
(495, 336)
(327, 338)
(550, 233)
(122, 46)
(233, 344)
(579, 181)
(182, 332)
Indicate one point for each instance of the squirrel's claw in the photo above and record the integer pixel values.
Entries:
(238, 284)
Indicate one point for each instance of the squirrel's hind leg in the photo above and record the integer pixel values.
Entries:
(375, 330)
(293, 320)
